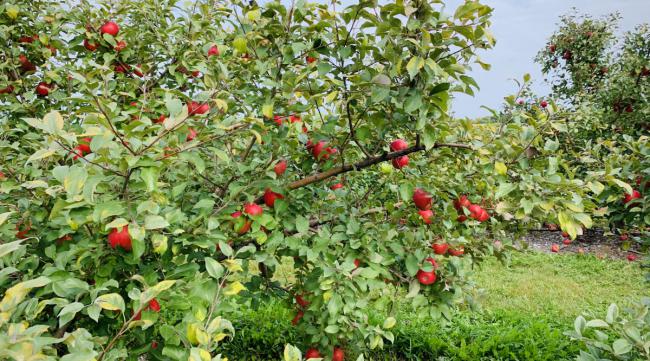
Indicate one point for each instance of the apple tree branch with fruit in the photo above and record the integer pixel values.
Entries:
(161, 162)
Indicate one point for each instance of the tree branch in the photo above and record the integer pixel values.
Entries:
(364, 164)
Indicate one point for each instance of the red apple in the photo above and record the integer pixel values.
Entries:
(551, 48)
(462, 218)
(567, 55)
(543, 104)
(483, 216)
(426, 278)
(310, 59)
(25, 64)
(555, 248)
(297, 318)
(631, 196)
(566, 241)
(336, 186)
(89, 46)
(631, 257)
(399, 144)
(624, 237)
(154, 305)
(121, 45)
(565, 234)
(401, 162)
(462, 202)
(110, 27)
(300, 300)
(357, 263)
(197, 108)
(440, 248)
(253, 209)
(457, 252)
(426, 215)
(280, 167)
(294, 118)
(161, 119)
(84, 145)
(213, 51)
(120, 238)
(312, 353)
(7, 90)
(475, 211)
(338, 354)
(421, 199)
(43, 89)
(245, 227)
(191, 135)
(270, 197)
(154, 344)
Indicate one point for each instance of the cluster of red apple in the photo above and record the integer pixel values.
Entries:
(82, 149)
(337, 354)
(320, 150)
(119, 238)
(26, 66)
(475, 211)
(403, 161)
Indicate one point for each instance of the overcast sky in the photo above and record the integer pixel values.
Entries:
(521, 28)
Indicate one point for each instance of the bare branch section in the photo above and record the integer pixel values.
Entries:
(364, 164)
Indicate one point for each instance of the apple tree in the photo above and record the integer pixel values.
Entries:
(604, 83)
(162, 160)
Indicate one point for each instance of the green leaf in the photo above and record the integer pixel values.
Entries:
(596, 324)
(214, 268)
(153, 292)
(504, 189)
(621, 346)
(40, 154)
(155, 222)
(579, 325)
(4, 217)
(7, 248)
(302, 224)
(612, 313)
(150, 177)
(332, 329)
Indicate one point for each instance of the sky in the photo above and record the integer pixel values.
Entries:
(521, 28)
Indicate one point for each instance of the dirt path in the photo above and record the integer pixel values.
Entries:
(594, 241)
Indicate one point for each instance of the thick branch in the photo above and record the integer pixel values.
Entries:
(364, 164)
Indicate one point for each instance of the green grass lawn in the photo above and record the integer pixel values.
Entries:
(559, 285)
(527, 305)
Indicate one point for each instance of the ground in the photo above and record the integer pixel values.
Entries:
(596, 242)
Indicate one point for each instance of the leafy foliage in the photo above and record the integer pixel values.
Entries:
(140, 137)
(621, 335)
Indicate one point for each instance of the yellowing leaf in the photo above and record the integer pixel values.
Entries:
(500, 168)
(232, 265)
(389, 323)
(267, 110)
(292, 353)
(414, 65)
(233, 288)
(40, 154)
(12, 11)
(111, 302)
(220, 336)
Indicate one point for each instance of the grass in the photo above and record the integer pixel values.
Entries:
(559, 286)
(528, 304)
